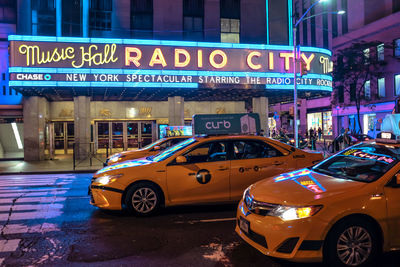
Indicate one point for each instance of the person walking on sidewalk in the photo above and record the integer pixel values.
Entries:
(319, 133)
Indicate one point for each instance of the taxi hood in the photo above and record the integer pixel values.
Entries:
(301, 187)
(126, 164)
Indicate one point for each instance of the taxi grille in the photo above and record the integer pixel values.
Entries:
(258, 207)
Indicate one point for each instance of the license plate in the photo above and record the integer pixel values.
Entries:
(244, 225)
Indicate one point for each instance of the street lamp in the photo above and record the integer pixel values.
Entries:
(295, 24)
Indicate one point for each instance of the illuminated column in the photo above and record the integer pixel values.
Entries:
(58, 17)
(82, 126)
(176, 111)
(303, 116)
(85, 19)
(260, 106)
(35, 114)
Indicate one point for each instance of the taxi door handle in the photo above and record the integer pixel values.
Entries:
(276, 163)
(222, 169)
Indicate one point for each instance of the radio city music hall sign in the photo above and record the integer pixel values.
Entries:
(31, 54)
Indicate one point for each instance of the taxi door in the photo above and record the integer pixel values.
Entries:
(252, 161)
(203, 178)
(392, 193)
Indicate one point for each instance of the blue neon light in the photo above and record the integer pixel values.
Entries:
(290, 14)
(267, 19)
(102, 84)
(159, 42)
(165, 72)
(299, 87)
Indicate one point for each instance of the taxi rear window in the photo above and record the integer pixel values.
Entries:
(363, 162)
(173, 149)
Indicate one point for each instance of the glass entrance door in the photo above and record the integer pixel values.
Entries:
(63, 137)
(132, 135)
(103, 135)
(146, 133)
(117, 137)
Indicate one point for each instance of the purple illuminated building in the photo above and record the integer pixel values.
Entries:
(364, 20)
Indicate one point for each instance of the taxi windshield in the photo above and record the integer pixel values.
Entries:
(363, 162)
(170, 151)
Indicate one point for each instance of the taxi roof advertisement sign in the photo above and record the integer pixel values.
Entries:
(212, 124)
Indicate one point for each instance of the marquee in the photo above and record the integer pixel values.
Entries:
(100, 62)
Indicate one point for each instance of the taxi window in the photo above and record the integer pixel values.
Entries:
(171, 150)
(254, 149)
(209, 152)
(364, 162)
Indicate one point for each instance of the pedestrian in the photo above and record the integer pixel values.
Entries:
(346, 138)
(312, 138)
(319, 133)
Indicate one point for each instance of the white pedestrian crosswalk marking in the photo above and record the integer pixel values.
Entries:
(26, 203)
(9, 245)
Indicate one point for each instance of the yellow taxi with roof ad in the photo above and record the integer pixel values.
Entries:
(149, 150)
(346, 209)
(202, 169)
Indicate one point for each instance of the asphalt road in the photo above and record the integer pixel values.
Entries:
(47, 220)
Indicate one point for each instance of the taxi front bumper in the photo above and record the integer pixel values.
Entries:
(296, 240)
(105, 197)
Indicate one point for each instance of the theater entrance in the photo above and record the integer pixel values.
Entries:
(117, 136)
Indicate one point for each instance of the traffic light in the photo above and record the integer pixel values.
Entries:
(303, 69)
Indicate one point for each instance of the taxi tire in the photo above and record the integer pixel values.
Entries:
(330, 253)
(136, 187)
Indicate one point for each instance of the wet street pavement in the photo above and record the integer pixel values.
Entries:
(47, 220)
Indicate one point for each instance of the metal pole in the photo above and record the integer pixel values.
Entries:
(296, 139)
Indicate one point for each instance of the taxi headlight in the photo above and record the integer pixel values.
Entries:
(288, 213)
(246, 192)
(107, 179)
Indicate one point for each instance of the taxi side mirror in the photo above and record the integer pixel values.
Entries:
(156, 148)
(181, 159)
(395, 181)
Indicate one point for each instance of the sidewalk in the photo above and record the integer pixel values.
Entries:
(61, 164)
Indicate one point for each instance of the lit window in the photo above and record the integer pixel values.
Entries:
(366, 55)
(381, 87)
(367, 88)
(397, 84)
(380, 49)
(230, 30)
(397, 48)
(100, 15)
(193, 16)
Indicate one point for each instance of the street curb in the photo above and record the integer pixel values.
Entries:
(47, 172)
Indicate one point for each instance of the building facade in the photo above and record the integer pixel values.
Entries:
(11, 126)
(234, 56)
(371, 21)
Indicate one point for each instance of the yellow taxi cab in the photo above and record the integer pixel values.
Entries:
(149, 150)
(345, 210)
(202, 169)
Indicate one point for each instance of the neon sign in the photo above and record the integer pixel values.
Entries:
(126, 63)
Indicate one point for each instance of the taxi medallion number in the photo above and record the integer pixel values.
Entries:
(244, 225)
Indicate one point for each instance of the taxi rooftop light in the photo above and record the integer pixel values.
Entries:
(390, 128)
(223, 124)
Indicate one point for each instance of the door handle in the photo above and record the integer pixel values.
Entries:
(222, 169)
(276, 163)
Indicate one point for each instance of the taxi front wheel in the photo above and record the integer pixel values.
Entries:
(143, 199)
(352, 243)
